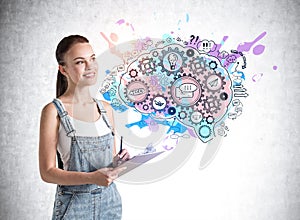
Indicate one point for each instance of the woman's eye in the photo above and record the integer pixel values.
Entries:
(79, 62)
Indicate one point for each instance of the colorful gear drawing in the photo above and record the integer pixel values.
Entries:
(182, 115)
(178, 53)
(223, 96)
(171, 110)
(209, 119)
(190, 52)
(159, 105)
(211, 104)
(155, 53)
(137, 91)
(146, 107)
(198, 65)
(214, 82)
(196, 117)
(213, 65)
(181, 76)
(133, 73)
(147, 66)
(204, 131)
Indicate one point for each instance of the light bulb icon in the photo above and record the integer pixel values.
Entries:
(172, 58)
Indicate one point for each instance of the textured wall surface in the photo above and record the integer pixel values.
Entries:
(256, 173)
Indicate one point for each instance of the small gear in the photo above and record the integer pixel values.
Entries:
(155, 53)
(223, 96)
(145, 107)
(133, 73)
(210, 119)
(196, 117)
(204, 131)
(211, 104)
(190, 52)
(182, 115)
(172, 110)
(213, 65)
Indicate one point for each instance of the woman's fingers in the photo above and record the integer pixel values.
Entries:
(115, 172)
(124, 155)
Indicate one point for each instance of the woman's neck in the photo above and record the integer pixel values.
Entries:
(78, 95)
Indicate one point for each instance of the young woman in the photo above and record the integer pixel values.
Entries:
(79, 130)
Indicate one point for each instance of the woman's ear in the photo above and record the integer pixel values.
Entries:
(61, 68)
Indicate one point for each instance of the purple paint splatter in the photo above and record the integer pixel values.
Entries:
(246, 46)
(259, 49)
(121, 21)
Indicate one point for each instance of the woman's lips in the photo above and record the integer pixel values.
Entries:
(89, 75)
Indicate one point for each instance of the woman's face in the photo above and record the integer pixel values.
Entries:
(81, 67)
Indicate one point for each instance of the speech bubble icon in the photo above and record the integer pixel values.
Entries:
(188, 87)
(181, 94)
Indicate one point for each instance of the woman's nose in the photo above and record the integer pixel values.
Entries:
(89, 65)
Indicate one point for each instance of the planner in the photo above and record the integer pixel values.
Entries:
(136, 161)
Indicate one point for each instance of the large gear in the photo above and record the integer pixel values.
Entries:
(198, 65)
(172, 61)
(179, 79)
(147, 66)
(136, 91)
(211, 104)
(214, 82)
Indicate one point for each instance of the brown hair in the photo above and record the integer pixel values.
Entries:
(64, 45)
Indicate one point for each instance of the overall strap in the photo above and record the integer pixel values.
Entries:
(64, 118)
(104, 115)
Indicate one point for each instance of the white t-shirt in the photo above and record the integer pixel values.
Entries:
(90, 129)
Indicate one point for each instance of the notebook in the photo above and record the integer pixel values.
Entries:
(136, 161)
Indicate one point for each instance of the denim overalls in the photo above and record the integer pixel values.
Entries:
(87, 154)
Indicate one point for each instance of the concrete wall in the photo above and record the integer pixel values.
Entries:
(256, 173)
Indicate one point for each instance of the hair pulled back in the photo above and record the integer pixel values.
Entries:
(62, 48)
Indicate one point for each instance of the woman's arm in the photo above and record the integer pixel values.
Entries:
(49, 125)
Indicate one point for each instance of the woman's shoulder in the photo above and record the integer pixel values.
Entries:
(49, 109)
(104, 104)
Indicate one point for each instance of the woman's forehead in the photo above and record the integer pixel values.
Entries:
(83, 50)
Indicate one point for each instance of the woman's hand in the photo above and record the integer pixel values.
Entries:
(120, 158)
(124, 155)
(105, 176)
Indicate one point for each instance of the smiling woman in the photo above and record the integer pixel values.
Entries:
(79, 129)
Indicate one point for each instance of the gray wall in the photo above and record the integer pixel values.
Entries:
(255, 175)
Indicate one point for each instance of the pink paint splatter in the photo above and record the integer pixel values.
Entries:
(114, 37)
(110, 44)
(112, 47)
